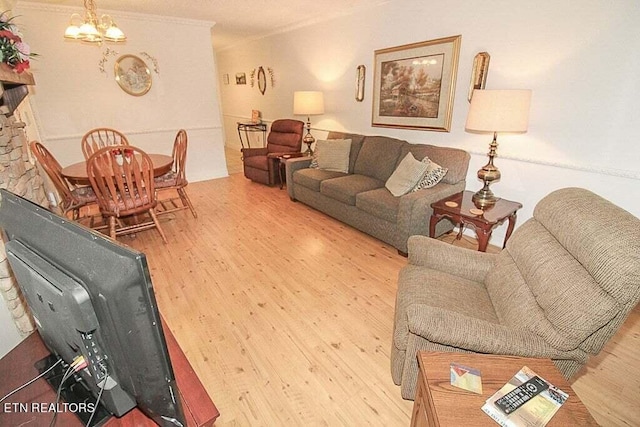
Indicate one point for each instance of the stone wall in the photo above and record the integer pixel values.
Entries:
(19, 175)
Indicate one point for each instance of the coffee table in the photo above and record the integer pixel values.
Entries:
(461, 210)
(438, 403)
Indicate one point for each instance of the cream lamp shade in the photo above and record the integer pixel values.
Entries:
(499, 111)
(496, 111)
(308, 103)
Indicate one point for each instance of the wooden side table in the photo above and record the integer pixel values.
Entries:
(438, 403)
(281, 165)
(458, 208)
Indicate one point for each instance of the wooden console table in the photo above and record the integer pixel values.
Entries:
(458, 206)
(17, 367)
(438, 403)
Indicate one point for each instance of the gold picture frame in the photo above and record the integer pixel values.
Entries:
(133, 75)
(414, 85)
(479, 72)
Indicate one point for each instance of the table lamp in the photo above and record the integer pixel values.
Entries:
(308, 103)
(493, 111)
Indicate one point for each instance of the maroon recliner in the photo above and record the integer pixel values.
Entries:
(284, 137)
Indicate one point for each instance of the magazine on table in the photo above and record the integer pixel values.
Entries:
(537, 411)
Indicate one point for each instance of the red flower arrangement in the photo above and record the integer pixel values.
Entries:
(13, 50)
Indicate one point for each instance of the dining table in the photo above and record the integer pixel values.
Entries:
(76, 173)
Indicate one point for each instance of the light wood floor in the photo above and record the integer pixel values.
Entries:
(286, 314)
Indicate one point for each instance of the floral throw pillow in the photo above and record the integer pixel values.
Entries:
(432, 176)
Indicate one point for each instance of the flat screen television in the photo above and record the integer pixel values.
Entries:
(93, 297)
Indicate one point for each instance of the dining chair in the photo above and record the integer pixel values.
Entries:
(175, 180)
(98, 138)
(122, 179)
(72, 198)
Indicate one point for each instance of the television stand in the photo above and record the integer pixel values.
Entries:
(74, 392)
(26, 406)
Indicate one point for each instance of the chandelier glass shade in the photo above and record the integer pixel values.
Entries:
(92, 29)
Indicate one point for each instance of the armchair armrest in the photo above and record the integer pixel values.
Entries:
(250, 152)
(415, 210)
(427, 252)
(456, 330)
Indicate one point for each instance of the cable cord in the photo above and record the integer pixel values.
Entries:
(31, 381)
(95, 407)
(70, 370)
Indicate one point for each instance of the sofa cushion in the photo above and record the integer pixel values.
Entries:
(432, 176)
(379, 203)
(345, 188)
(378, 157)
(311, 178)
(332, 155)
(407, 175)
(356, 144)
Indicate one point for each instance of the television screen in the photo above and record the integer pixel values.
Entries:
(92, 297)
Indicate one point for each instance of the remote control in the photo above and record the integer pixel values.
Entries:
(521, 395)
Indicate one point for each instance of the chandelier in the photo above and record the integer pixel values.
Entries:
(91, 29)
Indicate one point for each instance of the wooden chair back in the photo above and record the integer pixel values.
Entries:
(53, 170)
(176, 179)
(122, 179)
(180, 156)
(98, 138)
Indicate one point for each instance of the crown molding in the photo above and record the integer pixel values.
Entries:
(305, 23)
(68, 10)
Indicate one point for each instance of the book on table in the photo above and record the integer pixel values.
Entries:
(534, 411)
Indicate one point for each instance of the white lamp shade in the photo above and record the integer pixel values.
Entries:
(72, 32)
(114, 34)
(308, 103)
(499, 111)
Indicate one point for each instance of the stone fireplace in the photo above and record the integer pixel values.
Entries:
(19, 175)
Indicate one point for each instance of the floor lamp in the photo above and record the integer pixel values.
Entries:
(308, 103)
(496, 111)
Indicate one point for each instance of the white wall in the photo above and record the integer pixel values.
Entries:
(577, 58)
(72, 96)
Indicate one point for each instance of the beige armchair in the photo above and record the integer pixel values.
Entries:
(565, 282)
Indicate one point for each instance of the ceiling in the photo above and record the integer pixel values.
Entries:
(235, 20)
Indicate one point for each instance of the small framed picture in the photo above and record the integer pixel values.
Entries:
(241, 79)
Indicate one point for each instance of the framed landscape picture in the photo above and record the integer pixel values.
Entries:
(414, 85)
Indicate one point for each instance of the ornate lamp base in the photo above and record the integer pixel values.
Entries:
(309, 151)
(308, 139)
(484, 198)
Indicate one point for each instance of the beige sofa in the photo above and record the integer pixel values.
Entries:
(565, 282)
(359, 198)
